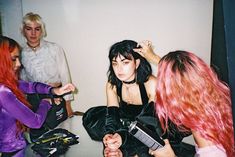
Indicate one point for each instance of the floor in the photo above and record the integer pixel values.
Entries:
(86, 147)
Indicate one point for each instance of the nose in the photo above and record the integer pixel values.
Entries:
(33, 31)
(119, 68)
(18, 63)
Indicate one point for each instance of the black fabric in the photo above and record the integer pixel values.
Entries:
(9, 154)
(143, 93)
(94, 122)
(56, 115)
(112, 119)
(95, 119)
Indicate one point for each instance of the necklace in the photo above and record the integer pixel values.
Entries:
(129, 82)
(34, 48)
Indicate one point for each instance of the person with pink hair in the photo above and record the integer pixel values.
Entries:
(190, 94)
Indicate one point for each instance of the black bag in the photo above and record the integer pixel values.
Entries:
(56, 115)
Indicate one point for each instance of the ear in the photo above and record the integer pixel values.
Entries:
(137, 62)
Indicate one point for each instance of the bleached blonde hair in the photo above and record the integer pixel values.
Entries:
(32, 17)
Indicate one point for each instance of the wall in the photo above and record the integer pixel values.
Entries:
(87, 28)
(11, 15)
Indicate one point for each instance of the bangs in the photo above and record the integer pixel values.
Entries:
(126, 55)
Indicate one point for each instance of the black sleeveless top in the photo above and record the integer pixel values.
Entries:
(130, 111)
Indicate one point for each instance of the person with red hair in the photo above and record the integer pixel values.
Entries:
(15, 112)
(190, 94)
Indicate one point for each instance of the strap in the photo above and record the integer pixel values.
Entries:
(119, 91)
(143, 93)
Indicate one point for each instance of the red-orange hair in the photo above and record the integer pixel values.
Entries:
(7, 74)
(190, 94)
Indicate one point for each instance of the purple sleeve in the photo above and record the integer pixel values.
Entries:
(21, 112)
(34, 87)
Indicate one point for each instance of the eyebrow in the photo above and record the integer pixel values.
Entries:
(17, 56)
(114, 60)
(33, 27)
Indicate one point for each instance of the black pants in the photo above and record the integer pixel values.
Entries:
(9, 154)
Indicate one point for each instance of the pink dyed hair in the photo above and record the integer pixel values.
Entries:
(190, 94)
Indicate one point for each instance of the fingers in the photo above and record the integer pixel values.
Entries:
(166, 141)
(112, 153)
(57, 101)
(112, 141)
(151, 152)
(145, 47)
(69, 87)
(65, 89)
(145, 43)
(106, 138)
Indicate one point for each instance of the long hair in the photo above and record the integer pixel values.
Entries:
(32, 17)
(190, 94)
(7, 75)
(125, 48)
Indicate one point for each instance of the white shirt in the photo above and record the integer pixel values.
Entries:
(211, 151)
(47, 65)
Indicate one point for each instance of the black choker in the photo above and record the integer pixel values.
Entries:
(129, 82)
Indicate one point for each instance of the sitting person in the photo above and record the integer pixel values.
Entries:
(130, 96)
(190, 94)
(43, 61)
(15, 112)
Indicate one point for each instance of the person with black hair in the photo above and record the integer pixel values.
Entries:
(130, 92)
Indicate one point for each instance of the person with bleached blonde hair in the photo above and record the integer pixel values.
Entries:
(43, 61)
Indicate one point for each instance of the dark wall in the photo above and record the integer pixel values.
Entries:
(223, 44)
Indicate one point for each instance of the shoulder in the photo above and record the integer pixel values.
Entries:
(110, 87)
(4, 90)
(51, 44)
(150, 87)
(152, 81)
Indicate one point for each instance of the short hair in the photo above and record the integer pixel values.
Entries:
(32, 17)
(125, 48)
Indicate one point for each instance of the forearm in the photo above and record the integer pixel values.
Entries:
(34, 87)
(112, 121)
(155, 59)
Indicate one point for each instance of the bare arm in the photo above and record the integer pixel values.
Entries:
(151, 86)
(111, 94)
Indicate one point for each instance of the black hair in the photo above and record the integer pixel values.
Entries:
(12, 43)
(179, 58)
(125, 48)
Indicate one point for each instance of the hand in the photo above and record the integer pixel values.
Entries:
(112, 153)
(112, 141)
(56, 100)
(65, 89)
(147, 52)
(166, 151)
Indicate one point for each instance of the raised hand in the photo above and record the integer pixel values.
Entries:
(146, 50)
